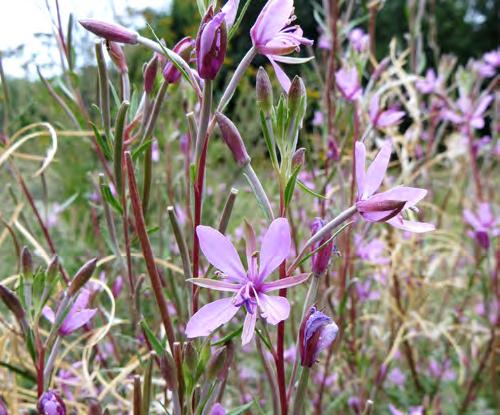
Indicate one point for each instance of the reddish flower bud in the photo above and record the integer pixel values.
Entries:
(264, 90)
(26, 262)
(110, 31)
(299, 158)
(321, 259)
(232, 138)
(12, 303)
(211, 44)
(116, 54)
(82, 276)
(150, 74)
(51, 403)
(317, 332)
(183, 48)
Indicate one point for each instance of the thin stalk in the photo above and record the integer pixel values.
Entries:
(118, 144)
(206, 107)
(181, 242)
(300, 395)
(258, 190)
(228, 209)
(49, 365)
(104, 101)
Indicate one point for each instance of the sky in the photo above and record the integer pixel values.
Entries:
(27, 22)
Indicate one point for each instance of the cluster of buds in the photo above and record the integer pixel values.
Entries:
(317, 332)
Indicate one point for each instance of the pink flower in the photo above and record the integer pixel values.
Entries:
(469, 113)
(77, 317)
(348, 83)
(383, 119)
(273, 37)
(218, 409)
(484, 224)
(211, 44)
(249, 287)
(431, 83)
(359, 40)
(183, 48)
(318, 119)
(50, 403)
(492, 58)
(386, 206)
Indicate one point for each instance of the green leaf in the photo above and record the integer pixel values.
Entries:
(111, 200)
(241, 409)
(239, 19)
(290, 186)
(102, 142)
(155, 343)
(141, 149)
(268, 139)
(310, 191)
(228, 337)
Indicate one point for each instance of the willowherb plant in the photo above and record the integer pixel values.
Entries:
(342, 313)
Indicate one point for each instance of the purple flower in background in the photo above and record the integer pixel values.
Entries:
(273, 37)
(348, 83)
(414, 410)
(317, 333)
(217, 409)
(469, 113)
(372, 251)
(211, 44)
(383, 119)
(431, 83)
(321, 259)
(183, 48)
(155, 151)
(50, 403)
(484, 223)
(483, 69)
(324, 41)
(442, 370)
(359, 40)
(396, 377)
(249, 287)
(386, 206)
(3, 407)
(78, 315)
(492, 58)
(318, 119)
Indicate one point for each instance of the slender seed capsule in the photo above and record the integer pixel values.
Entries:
(12, 303)
(297, 95)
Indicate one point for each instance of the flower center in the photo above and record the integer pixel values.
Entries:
(246, 296)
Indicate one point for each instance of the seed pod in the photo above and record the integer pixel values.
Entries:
(299, 158)
(297, 97)
(52, 269)
(190, 357)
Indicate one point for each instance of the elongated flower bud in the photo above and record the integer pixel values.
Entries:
(150, 74)
(216, 363)
(299, 158)
(94, 408)
(183, 48)
(52, 269)
(82, 276)
(190, 356)
(12, 303)
(116, 54)
(232, 138)
(297, 97)
(321, 259)
(211, 44)
(50, 403)
(317, 332)
(110, 31)
(26, 262)
(264, 90)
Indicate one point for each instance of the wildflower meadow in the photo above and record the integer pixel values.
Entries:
(271, 207)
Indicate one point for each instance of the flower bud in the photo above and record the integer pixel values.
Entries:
(183, 48)
(12, 303)
(150, 74)
(52, 269)
(3, 407)
(82, 276)
(232, 138)
(218, 409)
(211, 44)
(264, 90)
(116, 54)
(379, 210)
(50, 403)
(110, 31)
(321, 258)
(26, 262)
(168, 371)
(297, 97)
(299, 158)
(216, 363)
(317, 332)
(190, 357)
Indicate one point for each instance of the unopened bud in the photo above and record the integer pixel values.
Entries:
(116, 54)
(297, 97)
(150, 74)
(190, 357)
(299, 158)
(216, 363)
(52, 269)
(321, 258)
(82, 276)
(12, 303)
(183, 48)
(168, 370)
(26, 262)
(211, 44)
(110, 31)
(50, 403)
(232, 138)
(264, 90)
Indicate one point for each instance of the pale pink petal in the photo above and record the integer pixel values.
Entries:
(376, 172)
(273, 308)
(217, 285)
(76, 319)
(410, 225)
(49, 314)
(220, 253)
(412, 195)
(472, 219)
(285, 282)
(360, 156)
(275, 247)
(374, 107)
(482, 106)
(230, 9)
(389, 118)
(210, 317)
(273, 17)
(283, 78)
(248, 328)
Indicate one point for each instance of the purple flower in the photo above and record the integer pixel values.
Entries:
(383, 119)
(183, 48)
(321, 259)
(348, 83)
(318, 119)
(273, 37)
(50, 403)
(372, 251)
(77, 317)
(3, 407)
(492, 58)
(211, 44)
(386, 206)
(116, 54)
(484, 224)
(431, 83)
(248, 286)
(468, 113)
(483, 69)
(317, 333)
(442, 370)
(414, 410)
(217, 409)
(230, 9)
(359, 40)
(396, 377)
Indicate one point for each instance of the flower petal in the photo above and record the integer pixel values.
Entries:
(273, 17)
(376, 172)
(360, 156)
(275, 247)
(76, 319)
(49, 314)
(410, 225)
(230, 9)
(285, 282)
(411, 195)
(215, 284)
(210, 317)
(273, 308)
(283, 78)
(220, 253)
(248, 328)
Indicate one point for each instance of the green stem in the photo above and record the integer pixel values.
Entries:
(118, 145)
(300, 396)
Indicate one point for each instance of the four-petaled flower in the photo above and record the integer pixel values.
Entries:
(273, 37)
(348, 83)
(249, 287)
(386, 206)
(383, 119)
